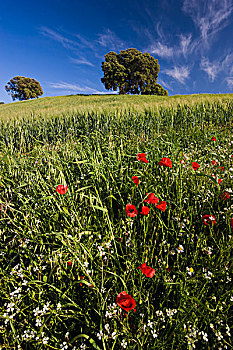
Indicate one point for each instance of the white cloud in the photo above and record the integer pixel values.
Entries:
(229, 81)
(159, 31)
(67, 43)
(110, 41)
(164, 84)
(77, 88)
(228, 62)
(210, 16)
(75, 46)
(185, 48)
(81, 61)
(85, 43)
(104, 92)
(212, 69)
(185, 44)
(178, 73)
(66, 86)
(161, 50)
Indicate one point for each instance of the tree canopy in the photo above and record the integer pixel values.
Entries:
(23, 88)
(133, 72)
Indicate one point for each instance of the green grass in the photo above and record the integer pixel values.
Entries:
(90, 144)
(75, 104)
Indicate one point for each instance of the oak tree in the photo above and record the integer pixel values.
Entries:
(132, 72)
(23, 88)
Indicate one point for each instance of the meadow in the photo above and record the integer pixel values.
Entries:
(116, 223)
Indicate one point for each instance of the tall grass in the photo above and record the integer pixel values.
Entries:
(57, 106)
(66, 257)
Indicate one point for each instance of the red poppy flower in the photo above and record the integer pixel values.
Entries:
(131, 210)
(213, 139)
(141, 157)
(151, 199)
(135, 180)
(195, 166)
(214, 162)
(69, 262)
(145, 210)
(162, 206)
(61, 189)
(125, 301)
(166, 162)
(225, 196)
(148, 271)
(219, 181)
(222, 167)
(207, 219)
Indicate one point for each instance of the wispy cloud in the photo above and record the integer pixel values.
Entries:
(178, 73)
(186, 47)
(164, 84)
(67, 43)
(161, 50)
(110, 40)
(67, 87)
(210, 16)
(227, 62)
(81, 61)
(105, 93)
(76, 46)
(212, 69)
(185, 44)
(159, 31)
(229, 81)
(85, 44)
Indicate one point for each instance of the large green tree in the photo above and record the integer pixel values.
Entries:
(133, 72)
(23, 88)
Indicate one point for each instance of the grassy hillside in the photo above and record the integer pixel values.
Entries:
(116, 223)
(51, 106)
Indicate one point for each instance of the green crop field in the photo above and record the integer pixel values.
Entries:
(116, 223)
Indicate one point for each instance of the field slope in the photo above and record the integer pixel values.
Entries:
(116, 223)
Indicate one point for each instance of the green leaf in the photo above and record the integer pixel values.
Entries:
(100, 208)
(211, 178)
(93, 343)
(123, 282)
(12, 327)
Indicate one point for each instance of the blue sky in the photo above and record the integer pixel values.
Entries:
(62, 43)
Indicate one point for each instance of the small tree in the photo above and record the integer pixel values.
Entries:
(23, 88)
